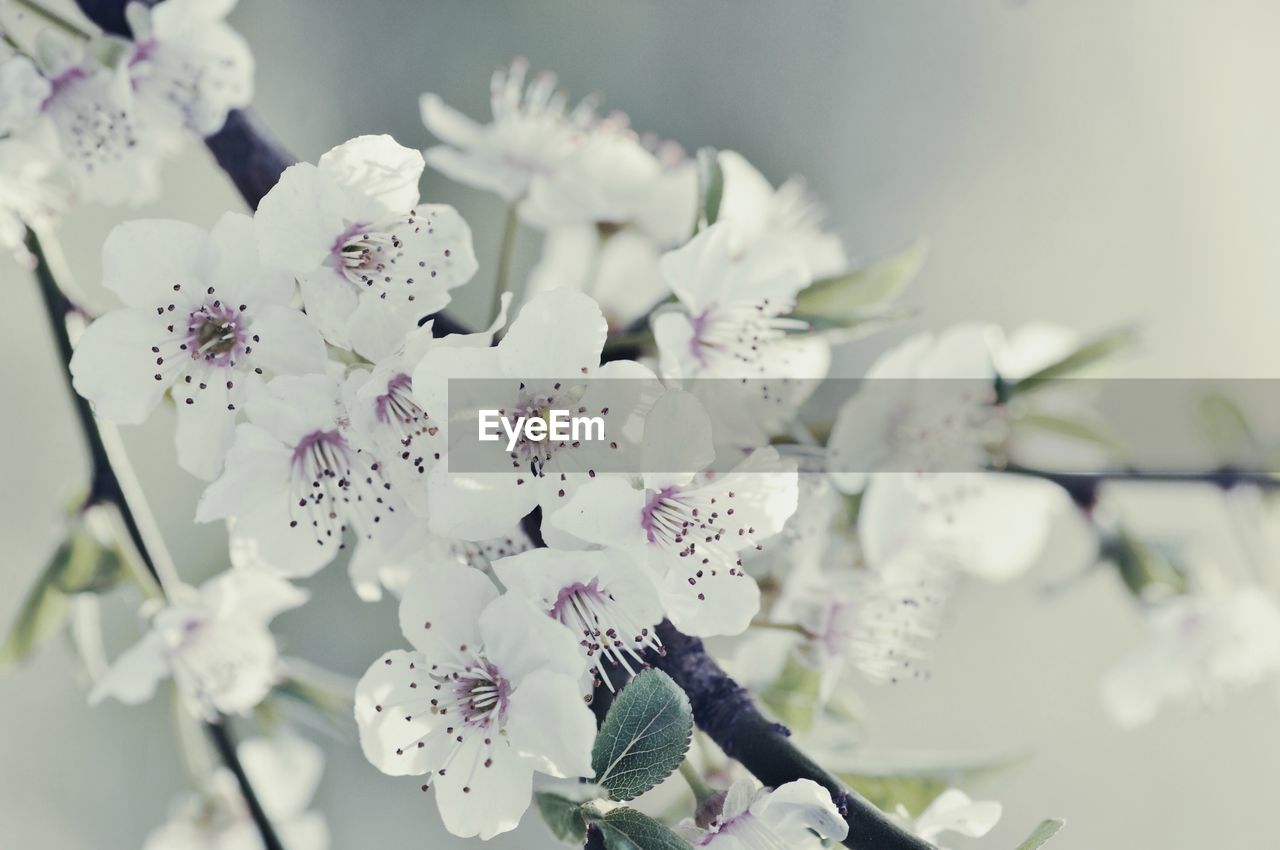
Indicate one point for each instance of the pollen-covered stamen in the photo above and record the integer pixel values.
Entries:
(201, 341)
(473, 698)
(738, 332)
(391, 258)
(698, 522)
(333, 484)
(607, 629)
(397, 411)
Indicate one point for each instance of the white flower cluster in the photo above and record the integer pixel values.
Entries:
(88, 117)
(298, 349)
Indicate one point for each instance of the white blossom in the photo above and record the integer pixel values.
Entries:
(735, 294)
(212, 641)
(370, 259)
(960, 519)
(89, 113)
(688, 530)
(549, 359)
(531, 135)
(927, 405)
(798, 815)
(489, 695)
(1198, 647)
(610, 608)
(294, 483)
(284, 771)
(202, 320)
(787, 215)
(186, 66)
(953, 811)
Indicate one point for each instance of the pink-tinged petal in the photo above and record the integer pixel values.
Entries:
(549, 723)
(441, 608)
(393, 714)
(558, 334)
(142, 261)
(379, 167)
(114, 367)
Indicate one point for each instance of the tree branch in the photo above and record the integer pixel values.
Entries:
(1083, 487)
(725, 711)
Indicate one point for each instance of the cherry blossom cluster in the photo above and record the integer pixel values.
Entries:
(90, 117)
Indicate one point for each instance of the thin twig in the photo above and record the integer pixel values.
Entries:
(113, 483)
(506, 254)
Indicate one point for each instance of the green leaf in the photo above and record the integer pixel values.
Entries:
(627, 829)
(644, 736)
(563, 817)
(81, 564)
(1042, 833)
(1144, 566)
(1083, 357)
(1072, 428)
(1228, 428)
(859, 295)
(710, 186)
(793, 697)
(915, 788)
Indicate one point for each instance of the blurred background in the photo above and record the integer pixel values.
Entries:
(1089, 162)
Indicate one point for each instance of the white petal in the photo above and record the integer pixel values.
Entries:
(558, 334)
(477, 506)
(251, 595)
(238, 274)
(288, 343)
(953, 811)
(393, 715)
(794, 809)
(520, 639)
(300, 219)
(677, 436)
(608, 511)
(264, 538)
(717, 602)
(441, 608)
(285, 771)
(143, 260)
(205, 432)
(549, 723)
(134, 676)
(114, 367)
(256, 472)
(484, 801)
(446, 123)
(379, 167)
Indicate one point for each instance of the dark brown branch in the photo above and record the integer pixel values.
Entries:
(726, 712)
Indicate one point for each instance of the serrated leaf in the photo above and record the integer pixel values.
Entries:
(627, 829)
(861, 294)
(644, 736)
(1083, 357)
(710, 186)
(794, 696)
(81, 564)
(563, 817)
(1042, 833)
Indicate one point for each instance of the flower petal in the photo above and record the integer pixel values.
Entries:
(393, 714)
(558, 334)
(549, 723)
(379, 167)
(114, 367)
(520, 639)
(143, 260)
(441, 607)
